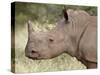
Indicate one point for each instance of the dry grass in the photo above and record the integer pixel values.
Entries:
(23, 64)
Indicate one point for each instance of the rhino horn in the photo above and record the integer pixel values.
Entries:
(30, 29)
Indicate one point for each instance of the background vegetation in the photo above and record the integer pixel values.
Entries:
(44, 18)
(45, 12)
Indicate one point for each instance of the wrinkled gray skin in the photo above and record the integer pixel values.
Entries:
(74, 34)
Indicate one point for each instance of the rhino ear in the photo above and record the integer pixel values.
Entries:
(30, 29)
(65, 14)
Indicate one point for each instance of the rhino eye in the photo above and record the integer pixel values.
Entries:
(51, 40)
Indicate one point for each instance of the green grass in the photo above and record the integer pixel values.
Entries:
(23, 64)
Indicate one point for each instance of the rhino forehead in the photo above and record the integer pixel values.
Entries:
(39, 35)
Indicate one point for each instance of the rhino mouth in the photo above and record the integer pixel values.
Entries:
(34, 56)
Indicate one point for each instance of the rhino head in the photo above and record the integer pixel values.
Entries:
(45, 45)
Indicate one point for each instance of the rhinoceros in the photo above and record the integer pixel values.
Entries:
(75, 34)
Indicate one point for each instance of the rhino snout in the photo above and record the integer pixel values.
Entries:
(32, 54)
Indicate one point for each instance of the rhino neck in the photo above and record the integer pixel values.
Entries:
(76, 31)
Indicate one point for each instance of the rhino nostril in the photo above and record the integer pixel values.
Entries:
(33, 51)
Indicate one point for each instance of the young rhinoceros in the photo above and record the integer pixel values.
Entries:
(74, 34)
